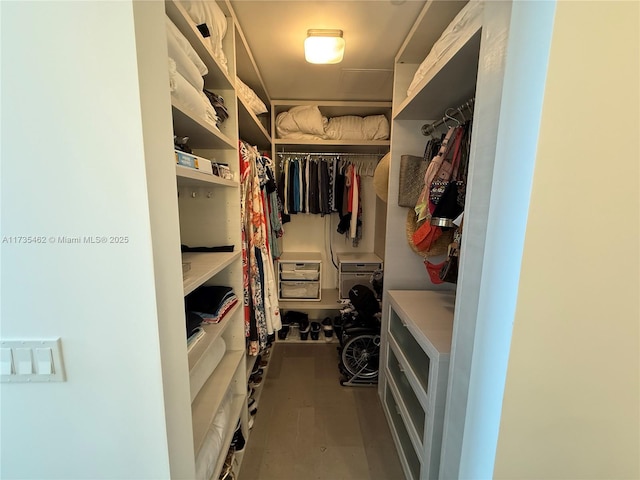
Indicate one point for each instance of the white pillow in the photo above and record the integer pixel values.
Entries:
(303, 118)
(250, 98)
(184, 65)
(210, 14)
(185, 46)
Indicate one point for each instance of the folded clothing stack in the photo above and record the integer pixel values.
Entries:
(186, 71)
(211, 303)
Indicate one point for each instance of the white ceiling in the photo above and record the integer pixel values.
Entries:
(373, 32)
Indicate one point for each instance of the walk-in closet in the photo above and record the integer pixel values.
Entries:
(224, 258)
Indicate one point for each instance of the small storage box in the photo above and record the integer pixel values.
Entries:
(348, 280)
(300, 290)
(300, 271)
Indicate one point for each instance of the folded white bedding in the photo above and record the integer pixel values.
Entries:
(468, 20)
(303, 119)
(172, 74)
(210, 14)
(306, 122)
(250, 98)
(193, 101)
(211, 448)
(188, 63)
(207, 364)
(350, 127)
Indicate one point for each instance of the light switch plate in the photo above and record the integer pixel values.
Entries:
(45, 357)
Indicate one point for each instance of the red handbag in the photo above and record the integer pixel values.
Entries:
(425, 236)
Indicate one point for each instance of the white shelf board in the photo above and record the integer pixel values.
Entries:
(329, 301)
(344, 146)
(449, 83)
(206, 404)
(201, 134)
(205, 265)
(193, 178)
(212, 332)
(428, 314)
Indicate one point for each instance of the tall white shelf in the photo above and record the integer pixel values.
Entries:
(472, 67)
(209, 216)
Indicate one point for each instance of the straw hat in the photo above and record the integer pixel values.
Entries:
(439, 247)
(381, 178)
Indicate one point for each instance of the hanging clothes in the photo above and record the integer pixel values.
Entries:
(262, 313)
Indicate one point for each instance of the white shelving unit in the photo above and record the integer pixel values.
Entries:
(419, 330)
(473, 66)
(209, 216)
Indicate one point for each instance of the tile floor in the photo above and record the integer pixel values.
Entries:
(308, 426)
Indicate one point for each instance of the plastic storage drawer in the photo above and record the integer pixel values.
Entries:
(300, 290)
(300, 271)
(359, 267)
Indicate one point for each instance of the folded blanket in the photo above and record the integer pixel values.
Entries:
(469, 19)
(212, 24)
(350, 127)
(211, 303)
(305, 119)
(193, 101)
(188, 63)
(250, 98)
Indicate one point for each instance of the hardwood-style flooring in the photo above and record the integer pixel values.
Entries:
(309, 427)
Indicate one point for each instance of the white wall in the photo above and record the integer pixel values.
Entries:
(571, 400)
(73, 164)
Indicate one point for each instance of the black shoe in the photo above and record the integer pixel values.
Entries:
(315, 330)
(327, 327)
(282, 333)
(238, 441)
(304, 329)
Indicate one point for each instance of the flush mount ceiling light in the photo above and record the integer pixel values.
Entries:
(324, 46)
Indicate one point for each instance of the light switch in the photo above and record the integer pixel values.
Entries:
(31, 361)
(6, 361)
(24, 362)
(43, 358)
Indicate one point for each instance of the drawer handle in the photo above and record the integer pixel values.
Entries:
(400, 368)
(397, 409)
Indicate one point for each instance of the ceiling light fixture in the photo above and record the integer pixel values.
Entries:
(324, 46)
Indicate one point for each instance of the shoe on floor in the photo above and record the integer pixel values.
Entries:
(304, 329)
(327, 327)
(255, 380)
(315, 330)
(238, 441)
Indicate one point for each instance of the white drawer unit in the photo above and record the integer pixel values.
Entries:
(417, 348)
(300, 276)
(356, 269)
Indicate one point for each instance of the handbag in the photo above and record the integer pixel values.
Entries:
(411, 180)
(412, 170)
(425, 236)
(449, 271)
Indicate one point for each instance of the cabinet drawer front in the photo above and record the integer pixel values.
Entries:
(408, 456)
(413, 352)
(408, 397)
(299, 267)
(302, 290)
(359, 267)
(300, 275)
